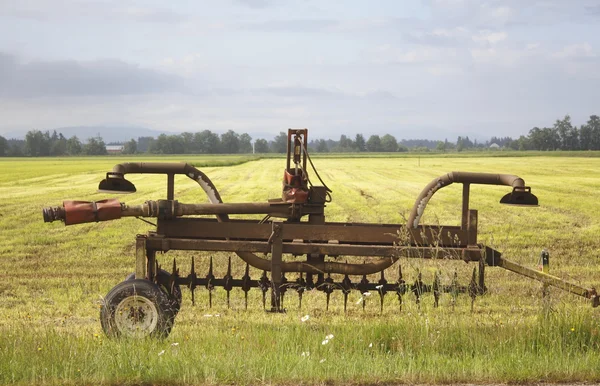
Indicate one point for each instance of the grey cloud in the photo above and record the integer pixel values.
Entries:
(302, 25)
(301, 92)
(257, 4)
(593, 10)
(320, 93)
(73, 78)
(74, 10)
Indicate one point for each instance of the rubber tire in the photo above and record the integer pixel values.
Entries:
(139, 288)
(175, 298)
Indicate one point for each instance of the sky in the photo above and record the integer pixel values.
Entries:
(430, 69)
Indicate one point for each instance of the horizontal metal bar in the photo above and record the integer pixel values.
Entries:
(545, 278)
(164, 244)
(342, 233)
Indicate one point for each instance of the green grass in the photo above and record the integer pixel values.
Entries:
(52, 279)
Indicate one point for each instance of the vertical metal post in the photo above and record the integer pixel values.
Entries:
(140, 257)
(151, 267)
(481, 289)
(465, 206)
(276, 241)
(170, 186)
(545, 267)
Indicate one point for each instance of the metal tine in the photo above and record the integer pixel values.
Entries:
(328, 288)
(228, 285)
(174, 276)
(400, 286)
(264, 287)
(346, 287)
(382, 290)
(209, 278)
(454, 289)
(473, 288)
(246, 285)
(418, 287)
(436, 289)
(193, 278)
(363, 287)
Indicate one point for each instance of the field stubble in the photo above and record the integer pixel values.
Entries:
(53, 278)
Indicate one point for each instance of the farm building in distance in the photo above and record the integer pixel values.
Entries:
(114, 149)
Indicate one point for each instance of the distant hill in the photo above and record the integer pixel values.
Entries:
(108, 133)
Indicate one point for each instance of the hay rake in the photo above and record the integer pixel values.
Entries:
(293, 226)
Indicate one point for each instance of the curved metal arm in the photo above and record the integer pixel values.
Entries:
(460, 177)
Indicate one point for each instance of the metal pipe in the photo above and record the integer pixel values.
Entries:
(460, 177)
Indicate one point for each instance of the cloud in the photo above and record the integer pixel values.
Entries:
(298, 25)
(575, 51)
(489, 37)
(256, 4)
(69, 10)
(79, 78)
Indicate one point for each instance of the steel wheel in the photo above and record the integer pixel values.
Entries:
(136, 308)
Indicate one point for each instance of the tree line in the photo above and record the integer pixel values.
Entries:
(563, 135)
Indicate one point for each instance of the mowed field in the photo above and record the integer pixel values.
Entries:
(53, 278)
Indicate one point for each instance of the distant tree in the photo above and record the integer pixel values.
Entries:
(374, 144)
(569, 135)
(402, 148)
(245, 143)
(16, 148)
(389, 143)
(3, 146)
(37, 144)
(279, 143)
(168, 144)
(322, 146)
(95, 146)
(144, 143)
(188, 143)
(230, 142)
(261, 146)
(345, 144)
(586, 139)
(74, 146)
(594, 124)
(130, 147)
(207, 142)
(441, 146)
(58, 145)
(360, 143)
(460, 144)
(524, 143)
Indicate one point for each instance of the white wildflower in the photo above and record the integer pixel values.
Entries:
(161, 353)
(329, 337)
(378, 287)
(306, 353)
(175, 344)
(366, 294)
(304, 318)
(370, 345)
(325, 342)
(322, 360)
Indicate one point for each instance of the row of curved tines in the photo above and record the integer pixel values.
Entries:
(325, 284)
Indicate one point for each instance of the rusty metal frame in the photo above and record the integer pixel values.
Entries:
(314, 238)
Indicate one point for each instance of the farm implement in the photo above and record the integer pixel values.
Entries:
(292, 238)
